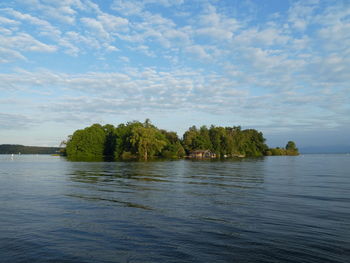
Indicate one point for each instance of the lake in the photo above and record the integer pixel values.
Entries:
(271, 209)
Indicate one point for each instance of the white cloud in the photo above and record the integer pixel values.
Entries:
(96, 26)
(10, 121)
(44, 27)
(113, 23)
(144, 50)
(25, 42)
(198, 51)
(60, 10)
(336, 37)
(16, 41)
(301, 14)
(105, 26)
(293, 65)
(9, 55)
(128, 7)
(136, 7)
(5, 20)
(215, 25)
(266, 37)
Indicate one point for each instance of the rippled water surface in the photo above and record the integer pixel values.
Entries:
(274, 209)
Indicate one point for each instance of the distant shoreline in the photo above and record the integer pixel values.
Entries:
(21, 149)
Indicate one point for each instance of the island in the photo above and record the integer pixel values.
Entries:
(143, 140)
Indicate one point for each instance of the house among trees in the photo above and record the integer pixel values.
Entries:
(199, 154)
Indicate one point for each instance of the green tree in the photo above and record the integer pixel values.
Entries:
(218, 138)
(173, 148)
(148, 140)
(87, 143)
(291, 148)
(144, 140)
(111, 140)
(189, 139)
(124, 149)
(204, 141)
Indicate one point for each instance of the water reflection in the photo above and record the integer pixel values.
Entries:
(254, 210)
(169, 187)
(221, 174)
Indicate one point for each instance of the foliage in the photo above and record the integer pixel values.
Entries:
(290, 149)
(173, 148)
(127, 141)
(87, 143)
(136, 140)
(147, 140)
(110, 141)
(225, 141)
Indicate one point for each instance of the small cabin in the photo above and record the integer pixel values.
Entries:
(200, 154)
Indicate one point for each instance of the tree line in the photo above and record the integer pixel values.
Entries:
(290, 149)
(16, 149)
(137, 140)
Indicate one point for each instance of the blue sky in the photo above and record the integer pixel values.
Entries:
(282, 67)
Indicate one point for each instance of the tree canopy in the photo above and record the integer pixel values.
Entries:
(136, 140)
(225, 141)
(87, 143)
(290, 149)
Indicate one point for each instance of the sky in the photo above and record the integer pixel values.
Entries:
(281, 67)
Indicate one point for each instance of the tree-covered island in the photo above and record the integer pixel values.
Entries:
(137, 140)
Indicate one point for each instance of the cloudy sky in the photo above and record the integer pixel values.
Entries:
(282, 67)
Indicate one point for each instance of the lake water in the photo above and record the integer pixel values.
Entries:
(273, 209)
